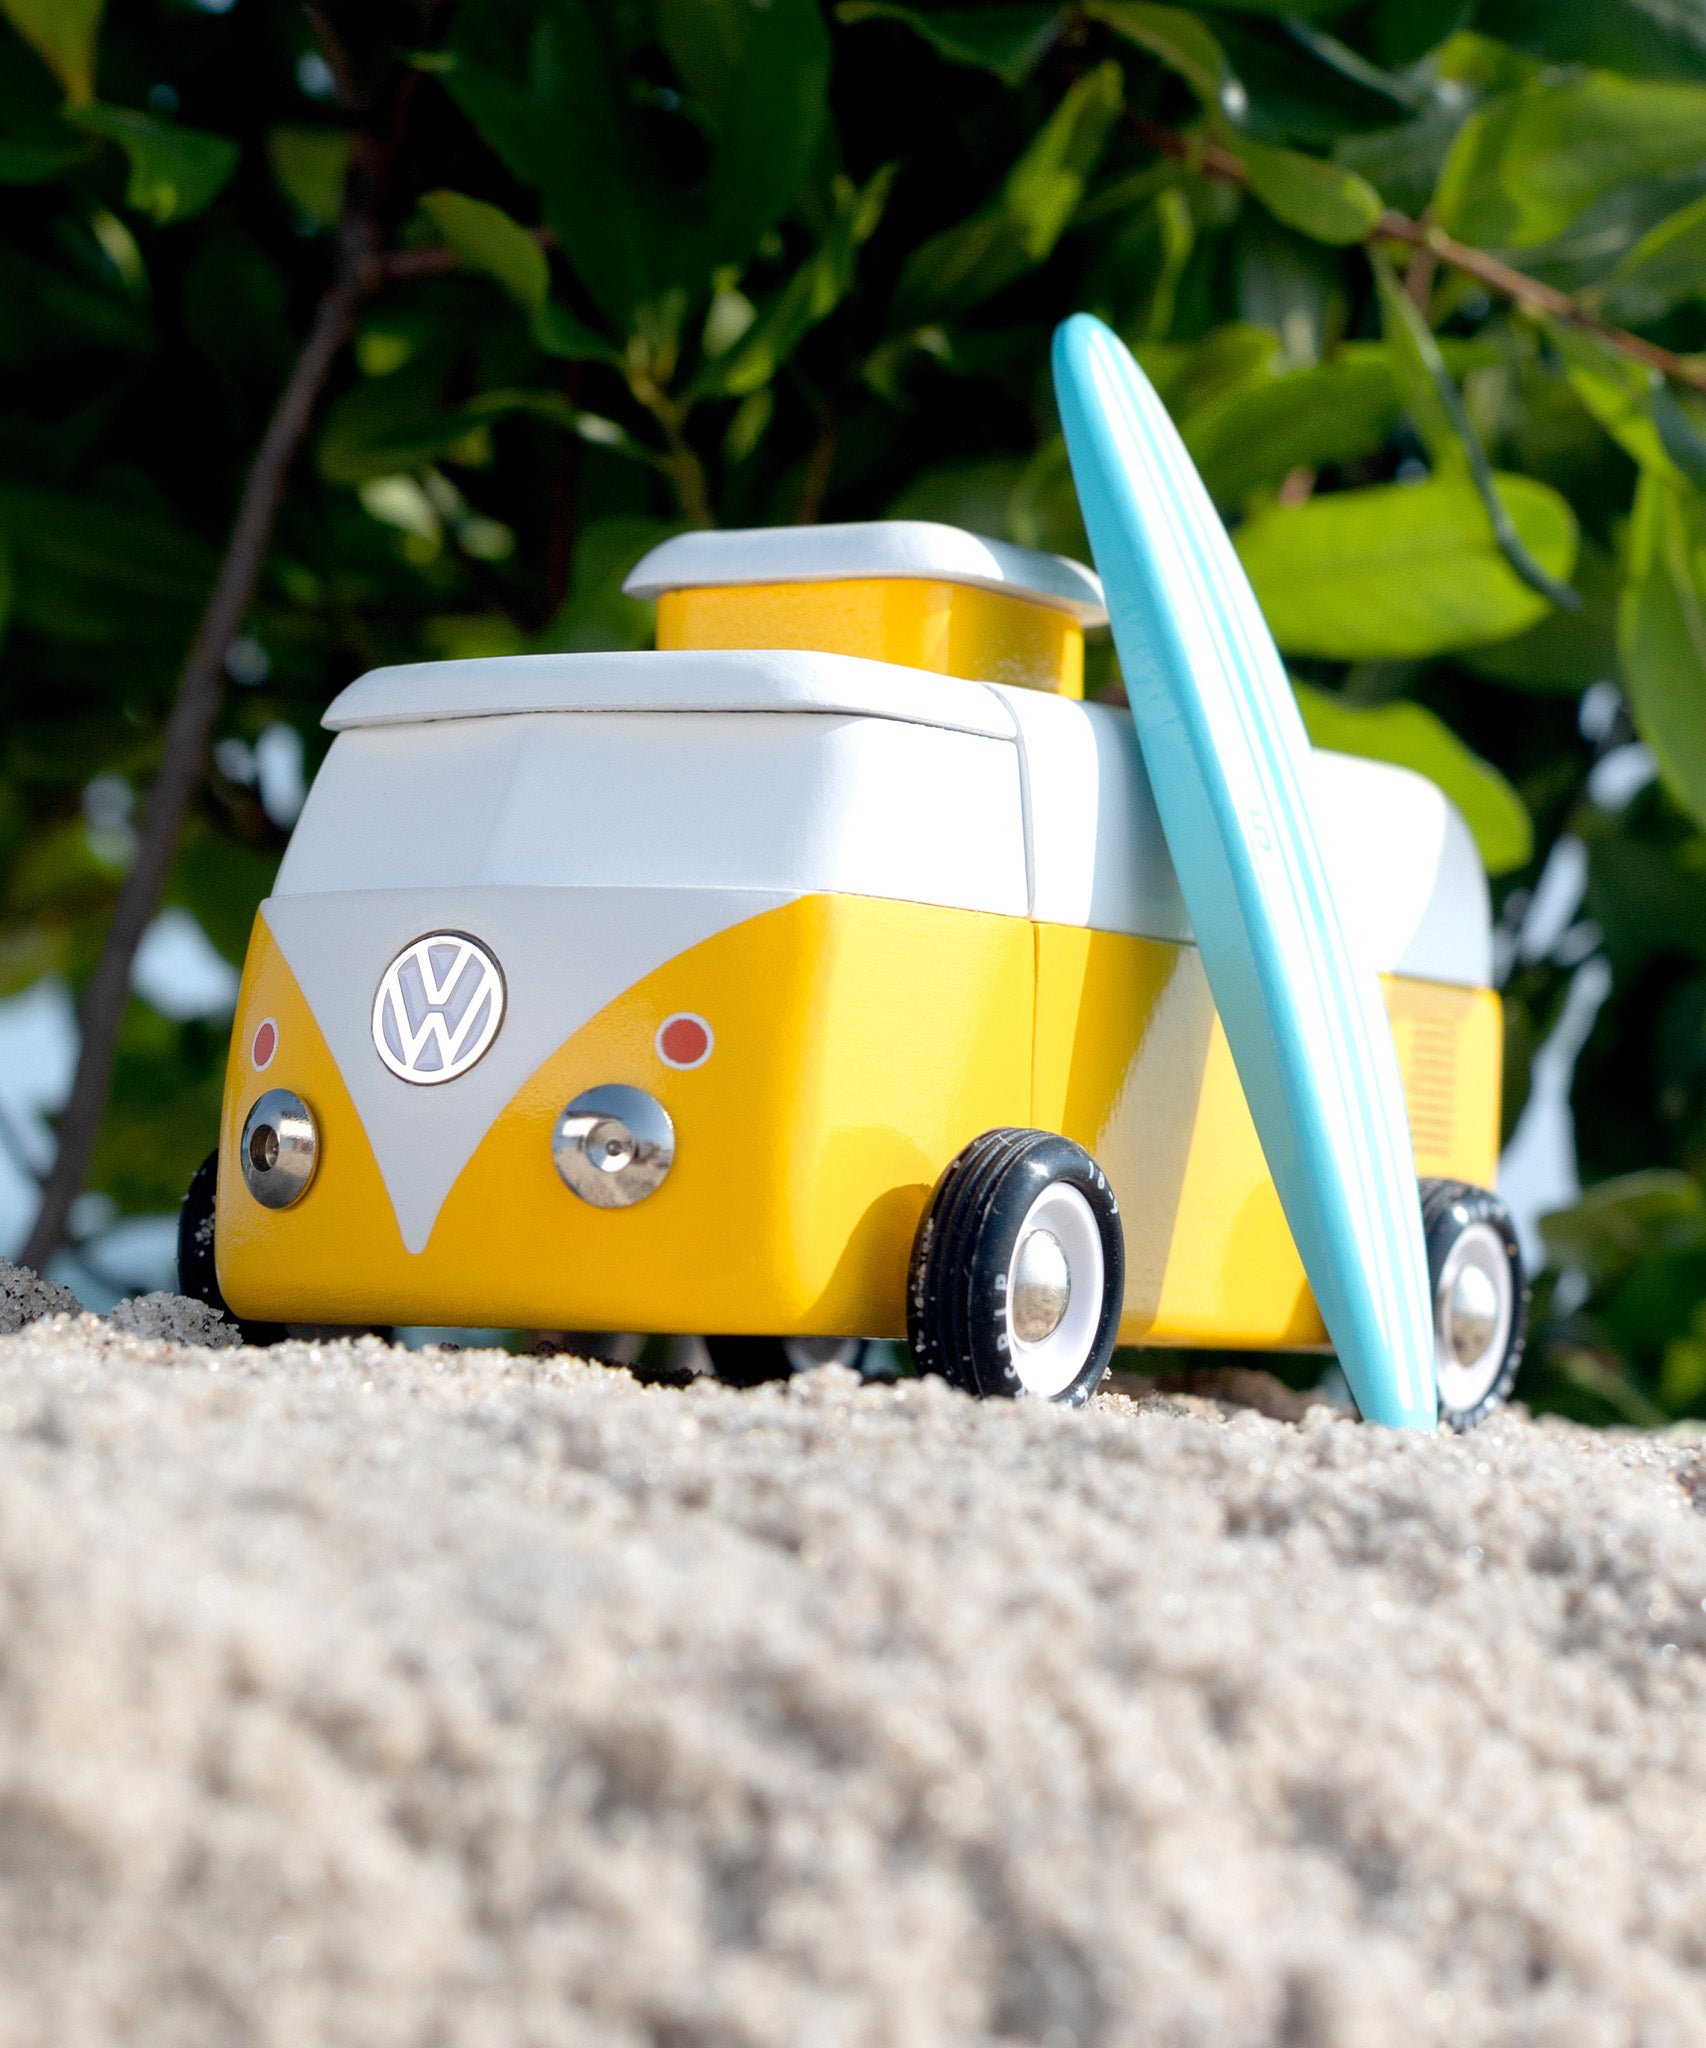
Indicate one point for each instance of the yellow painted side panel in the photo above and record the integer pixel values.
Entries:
(955, 629)
(1133, 1063)
(1451, 1044)
(859, 1045)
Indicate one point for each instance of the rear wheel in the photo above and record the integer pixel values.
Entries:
(1480, 1298)
(1018, 1270)
(752, 1361)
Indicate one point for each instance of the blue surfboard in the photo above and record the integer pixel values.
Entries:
(1226, 749)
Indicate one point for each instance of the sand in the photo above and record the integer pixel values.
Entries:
(355, 1696)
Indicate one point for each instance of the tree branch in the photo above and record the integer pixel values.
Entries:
(1213, 160)
(183, 758)
(362, 269)
(335, 56)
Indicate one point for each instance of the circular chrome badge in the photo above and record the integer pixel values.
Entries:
(614, 1145)
(279, 1150)
(438, 1008)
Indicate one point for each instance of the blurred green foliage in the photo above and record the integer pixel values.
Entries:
(721, 261)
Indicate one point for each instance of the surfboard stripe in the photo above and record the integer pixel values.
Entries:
(1225, 747)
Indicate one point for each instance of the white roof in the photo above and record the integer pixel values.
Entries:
(872, 548)
(503, 685)
(892, 790)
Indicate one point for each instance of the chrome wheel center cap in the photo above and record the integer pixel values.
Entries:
(1471, 1314)
(1042, 1287)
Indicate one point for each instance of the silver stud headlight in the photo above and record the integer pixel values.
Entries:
(280, 1149)
(614, 1145)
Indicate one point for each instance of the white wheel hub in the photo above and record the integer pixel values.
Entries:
(1473, 1310)
(1055, 1282)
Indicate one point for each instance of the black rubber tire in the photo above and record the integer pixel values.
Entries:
(1448, 1208)
(956, 1305)
(755, 1361)
(197, 1275)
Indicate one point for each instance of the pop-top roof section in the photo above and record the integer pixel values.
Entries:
(781, 680)
(868, 550)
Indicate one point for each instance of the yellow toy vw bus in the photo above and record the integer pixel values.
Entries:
(821, 975)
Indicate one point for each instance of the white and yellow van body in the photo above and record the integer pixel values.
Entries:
(853, 821)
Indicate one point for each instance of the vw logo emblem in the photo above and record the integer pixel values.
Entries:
(438, 1008)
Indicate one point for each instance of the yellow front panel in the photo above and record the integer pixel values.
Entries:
(1132, 1061)
(955, 629)
(859, 1044)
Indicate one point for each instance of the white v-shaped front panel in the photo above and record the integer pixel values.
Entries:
(564, 953)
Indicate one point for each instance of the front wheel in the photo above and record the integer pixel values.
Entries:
(1480, 1298)
(1018, 1270)
(198, 1277)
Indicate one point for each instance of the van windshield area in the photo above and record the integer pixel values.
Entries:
(794, 802)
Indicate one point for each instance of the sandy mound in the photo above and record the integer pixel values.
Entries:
(358, 1697)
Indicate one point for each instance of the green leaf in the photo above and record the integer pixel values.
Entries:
(1401, 31)
(597, 615)
(809, 296)
(559, 333)
(1009, 41)
(164, 1113)
(1400, 570)
(563, 113)
(1614, 390)
(1290, 10)
(1320, 199)
(386, 426)
(1043, 511)
(63, 33)
(235, 311)
(35, 144)
(487, 240)
(1191, 374)
(389, 426)
(1443, 420)
(1623, 1221)
(1404, 163)
(1018, 229)
(91, 573)
(1181, 41)
(557, 113)
(1529, 161)
(48, 310)
(1251, 437)
(221, 881)
(975, 495)
(1636, 37)
(1667, 265)
(1565, 651)
(1662, 631)
(310, 166)
(1410, 736)
(766, 118)
(174, 172)
(1302, 87)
